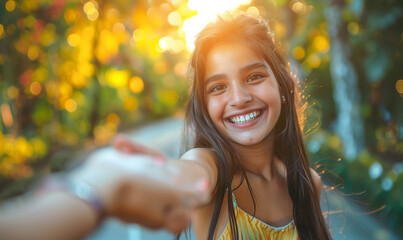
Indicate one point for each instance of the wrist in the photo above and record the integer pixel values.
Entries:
(80, 190)
(103, 179)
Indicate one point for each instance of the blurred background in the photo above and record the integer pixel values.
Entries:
(75, 72)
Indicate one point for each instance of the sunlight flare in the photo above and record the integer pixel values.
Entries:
(207, 10)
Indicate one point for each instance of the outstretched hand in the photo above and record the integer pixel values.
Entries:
(139, 189)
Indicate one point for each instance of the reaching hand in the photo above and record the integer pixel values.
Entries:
(137, 188)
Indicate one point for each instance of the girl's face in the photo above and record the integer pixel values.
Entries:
(242, 94)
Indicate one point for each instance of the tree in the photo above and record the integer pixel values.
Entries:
(346, 94)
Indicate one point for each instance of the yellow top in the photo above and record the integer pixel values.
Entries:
(250, 227)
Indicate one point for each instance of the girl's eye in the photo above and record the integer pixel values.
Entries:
(255, 77)
(217, 88)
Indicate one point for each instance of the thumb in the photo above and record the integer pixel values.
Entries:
(122, 143)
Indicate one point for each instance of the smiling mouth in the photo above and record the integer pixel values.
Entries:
(244, 118)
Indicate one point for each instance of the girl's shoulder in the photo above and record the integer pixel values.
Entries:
(204, 155)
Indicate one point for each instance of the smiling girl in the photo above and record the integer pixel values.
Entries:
(247, 140)
(243, 111)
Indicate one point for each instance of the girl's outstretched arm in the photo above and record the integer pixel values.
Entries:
(197, 163)
(201, 216)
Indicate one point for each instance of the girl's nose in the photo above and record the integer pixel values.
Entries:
(239, 96)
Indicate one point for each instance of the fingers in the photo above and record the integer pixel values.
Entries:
(122, 143)
(159, 205)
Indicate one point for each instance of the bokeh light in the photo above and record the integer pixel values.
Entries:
(375, 170)
(73, 39)
(6, 115)
(298, 7)
(298, 53)
(70, 105)
(136, 84)
(12, 92)
(1, 30)
(253, 10)
(33, 52)
(113, 119)
(89, 5)
(387, 184)
(321, 44)
(139, 35)
(174, 18)
(35, 88)
(117, 78)
(353, 28)
(314, 61)
(130, 103)
(10, 5)
(92, 14)
(399, 86)
(90, 8)
(70, 15)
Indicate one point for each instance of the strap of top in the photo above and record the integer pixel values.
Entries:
(234, 200)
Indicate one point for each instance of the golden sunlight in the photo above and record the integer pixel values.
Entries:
(207, 10)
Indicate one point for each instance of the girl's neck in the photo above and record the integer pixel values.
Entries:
(258, 159)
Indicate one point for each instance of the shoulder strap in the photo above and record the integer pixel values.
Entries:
(234, 200)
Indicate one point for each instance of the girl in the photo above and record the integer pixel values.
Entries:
(242, 112)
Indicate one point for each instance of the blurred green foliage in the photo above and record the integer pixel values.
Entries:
(75, 72)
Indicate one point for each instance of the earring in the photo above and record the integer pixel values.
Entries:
(282, 99)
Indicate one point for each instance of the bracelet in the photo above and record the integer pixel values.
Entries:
(80, 190)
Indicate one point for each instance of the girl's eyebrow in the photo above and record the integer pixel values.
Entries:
(252, 66)
(214, 77)
(243, 70)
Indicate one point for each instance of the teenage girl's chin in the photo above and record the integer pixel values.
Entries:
(246, 141)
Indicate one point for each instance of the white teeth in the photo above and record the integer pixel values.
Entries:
(245, 118)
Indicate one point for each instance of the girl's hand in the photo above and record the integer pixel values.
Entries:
(181, 173)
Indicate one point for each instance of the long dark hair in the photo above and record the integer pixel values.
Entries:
(288, 144)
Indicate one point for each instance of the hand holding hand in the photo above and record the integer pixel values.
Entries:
(134, 188)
